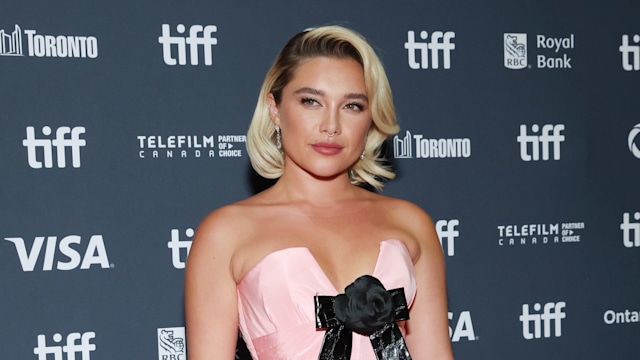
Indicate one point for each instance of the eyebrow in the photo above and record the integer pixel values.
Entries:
(311, 91)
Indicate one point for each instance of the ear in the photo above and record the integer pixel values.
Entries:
(273, 109)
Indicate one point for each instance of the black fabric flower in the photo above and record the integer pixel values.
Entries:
(366, 305)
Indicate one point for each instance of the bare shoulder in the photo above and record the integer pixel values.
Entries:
(414, 222)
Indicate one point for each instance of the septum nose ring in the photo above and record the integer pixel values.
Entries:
(331, 134)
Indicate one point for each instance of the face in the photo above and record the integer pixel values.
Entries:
(324, 116)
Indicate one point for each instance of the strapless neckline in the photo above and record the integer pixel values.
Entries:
(306, 252)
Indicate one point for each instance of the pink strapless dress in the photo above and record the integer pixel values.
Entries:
(276, 307)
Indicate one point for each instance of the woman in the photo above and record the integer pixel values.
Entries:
(323, 112)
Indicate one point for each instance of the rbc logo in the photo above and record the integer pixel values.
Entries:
(440, 43)
(629, 227)
(450, 233)
(515, 51)
(630, 53)
(198, 35)
(171, 344)
(551, 134)
(85, 347)
(176, 245)
(61, 143)
(96, 254)
(552, 313)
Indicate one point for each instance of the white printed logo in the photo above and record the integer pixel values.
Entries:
(11, 44)
(430, 148)
(621, 317)
(440, 43)
(64, 46)
(515, 51)
(95, 254)
(176, 245)
(552, 313)
(532, 145)
(227, 145)
(633, 136)
(534, 234)
(551, 51)
(171, 344)
(184, 146)
(85, 347)
(630, 53)
(61, 143)
(198, 35)
(447, 230)
(629, 227)
(464, 327)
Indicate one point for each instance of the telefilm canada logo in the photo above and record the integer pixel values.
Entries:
(540, 234)
(630, 53)
(418, 146)
(171, 343)
(67, 143)
(429, 50)
(540, 321)
(550, 52)
(633, 140)
(190, 146)
(61, 253)
(180, 248)
(200, 37)
(76, 343)
(46, 45)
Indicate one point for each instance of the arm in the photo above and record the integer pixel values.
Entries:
(428, 329)
(210, 293)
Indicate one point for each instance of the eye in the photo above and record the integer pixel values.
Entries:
(355, 106)
(309, 101)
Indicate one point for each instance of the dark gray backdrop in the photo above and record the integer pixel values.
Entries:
(128, 295)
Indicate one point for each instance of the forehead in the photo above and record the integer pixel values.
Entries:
(329, 72)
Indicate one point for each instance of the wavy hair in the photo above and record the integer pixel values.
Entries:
(333, 42)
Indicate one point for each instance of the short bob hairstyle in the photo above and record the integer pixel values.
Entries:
(334, 42)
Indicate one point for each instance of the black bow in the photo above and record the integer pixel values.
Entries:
(367, 309)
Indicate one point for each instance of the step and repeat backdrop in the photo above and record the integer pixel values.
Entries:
(123, 124)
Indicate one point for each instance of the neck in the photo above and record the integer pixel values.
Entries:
(302, 187)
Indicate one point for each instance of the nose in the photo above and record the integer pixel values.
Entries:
(331, 123)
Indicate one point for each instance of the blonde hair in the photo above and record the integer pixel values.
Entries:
(334, 42)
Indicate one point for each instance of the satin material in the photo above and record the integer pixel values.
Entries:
(276, 308)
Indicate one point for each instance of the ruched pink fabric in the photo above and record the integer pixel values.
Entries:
(276, 308)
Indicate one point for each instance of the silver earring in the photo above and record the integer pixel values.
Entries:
(362, 155)
(278, 142)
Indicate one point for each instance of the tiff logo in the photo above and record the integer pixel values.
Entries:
(551, 134)
(176, 245)
(11, 44)
(628, 227)
(85, 347)
(440, 43)
(198, 35)
(61, 143)
(447, 230)
(552, 313)
(630, 53)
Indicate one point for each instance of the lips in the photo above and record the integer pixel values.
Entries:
(327, 148)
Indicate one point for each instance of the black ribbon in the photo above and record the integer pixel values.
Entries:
(387, 341)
